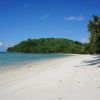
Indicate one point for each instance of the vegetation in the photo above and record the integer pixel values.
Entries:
(59, 45)
(94, 29)
(48, 45)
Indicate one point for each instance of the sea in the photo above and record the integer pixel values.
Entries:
(11, 59)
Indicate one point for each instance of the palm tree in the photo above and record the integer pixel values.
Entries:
(94, 29)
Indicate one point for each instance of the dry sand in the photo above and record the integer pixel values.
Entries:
(71, 78)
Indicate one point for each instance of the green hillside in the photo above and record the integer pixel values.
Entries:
(48, 45)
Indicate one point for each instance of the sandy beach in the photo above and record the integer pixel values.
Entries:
(70, 78)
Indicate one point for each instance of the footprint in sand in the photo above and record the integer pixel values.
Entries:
(29, 67)
(79, 82)
(60, 98)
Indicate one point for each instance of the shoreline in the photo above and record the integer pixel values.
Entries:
(69, 78)
(23, 63)
(29, 63)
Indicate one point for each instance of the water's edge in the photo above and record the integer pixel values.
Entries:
(10, 60)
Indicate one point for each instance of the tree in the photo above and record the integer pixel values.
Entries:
(94, 29)
(47, 45)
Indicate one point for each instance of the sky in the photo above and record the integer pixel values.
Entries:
(24, 19)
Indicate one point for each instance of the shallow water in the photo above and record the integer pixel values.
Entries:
(9, 59)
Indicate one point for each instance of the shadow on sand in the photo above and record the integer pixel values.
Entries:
(94, 61)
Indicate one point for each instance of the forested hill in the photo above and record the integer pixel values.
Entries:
(59, 45)
(48, 45)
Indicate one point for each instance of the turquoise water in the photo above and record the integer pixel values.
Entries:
(8, 59)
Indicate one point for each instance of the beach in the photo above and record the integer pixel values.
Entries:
(67, 78)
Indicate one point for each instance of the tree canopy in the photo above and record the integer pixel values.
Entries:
(48, 45)
(94, 29)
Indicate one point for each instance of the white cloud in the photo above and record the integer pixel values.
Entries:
(4, 46)
(80, 18)
(26, 5)
(74, 18)
(1, 44)
(70, 18)
(45, 17)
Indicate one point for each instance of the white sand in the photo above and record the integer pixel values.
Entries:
(69, 78)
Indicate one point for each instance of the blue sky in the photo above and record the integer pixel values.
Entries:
(23, 19)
